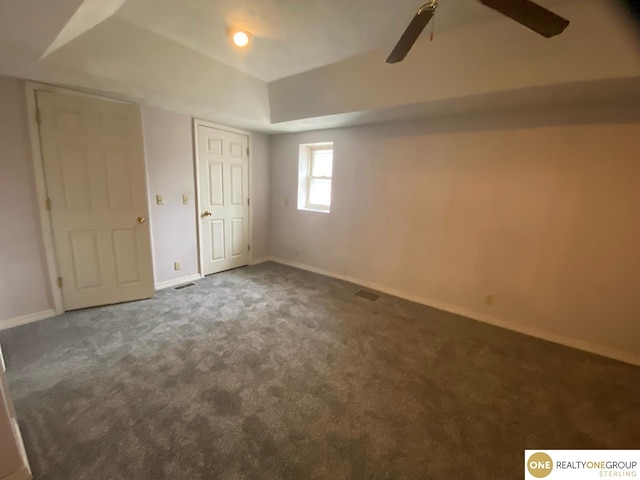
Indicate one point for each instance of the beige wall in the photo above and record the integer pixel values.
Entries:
(260, 195)
(169, 155)
(23, 277)
(539, 209)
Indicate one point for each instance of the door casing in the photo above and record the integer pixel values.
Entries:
(41, 189)
(199, 122)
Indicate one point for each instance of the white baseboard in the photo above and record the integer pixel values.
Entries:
(25, 471)
(23, 474)
(24, 319)
(627, 357)
(258, 261)
(178, 281)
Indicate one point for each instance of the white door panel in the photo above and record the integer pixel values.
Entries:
(94, 168)
(238, 196)
(237, 237)
(217, 239)
(215, 185)
(224, 208)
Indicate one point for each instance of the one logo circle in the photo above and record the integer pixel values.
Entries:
(540, 465)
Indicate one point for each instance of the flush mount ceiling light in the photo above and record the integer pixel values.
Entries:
(240, 38)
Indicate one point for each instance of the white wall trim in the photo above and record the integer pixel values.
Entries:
(627, 357)
(41, 186)
(147, 192)
(25, 471)
(23, 474)
(178, 281)
(24, 319)
(41, 193)
(196, 159)
(260, 260)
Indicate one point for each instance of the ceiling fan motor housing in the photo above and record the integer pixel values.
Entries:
(432, 5)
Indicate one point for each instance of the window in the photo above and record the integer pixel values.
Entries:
(314, 177)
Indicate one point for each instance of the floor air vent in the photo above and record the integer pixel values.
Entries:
(186, 285)
(367, 295)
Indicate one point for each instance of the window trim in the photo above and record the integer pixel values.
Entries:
(305, 177)
(311, 150)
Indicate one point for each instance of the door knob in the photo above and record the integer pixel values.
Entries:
(141, 219)
(206, 214)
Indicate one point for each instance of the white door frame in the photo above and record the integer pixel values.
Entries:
(41, 185)
(197, 122)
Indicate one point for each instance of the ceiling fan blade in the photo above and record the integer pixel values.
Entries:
(411, 34)
(531, 15)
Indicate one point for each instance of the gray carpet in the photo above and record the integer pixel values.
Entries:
(269, 372)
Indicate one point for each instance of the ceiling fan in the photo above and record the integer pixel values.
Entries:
(525, 12)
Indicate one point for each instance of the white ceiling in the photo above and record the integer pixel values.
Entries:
(312, 63)
(614, 101)
(290, 36)
(293, 36)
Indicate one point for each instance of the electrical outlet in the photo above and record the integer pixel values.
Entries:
(185, 199)
(489, 300)
(177, 266)
(159, 200)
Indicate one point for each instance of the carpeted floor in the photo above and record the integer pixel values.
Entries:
(269, 372)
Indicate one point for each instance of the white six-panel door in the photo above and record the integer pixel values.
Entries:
(94, 166)
(224, 199)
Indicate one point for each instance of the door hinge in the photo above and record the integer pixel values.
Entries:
(249, 247)
(248, 201)
(247, 151)
(59, 282)
(38, 117)
(47, 204)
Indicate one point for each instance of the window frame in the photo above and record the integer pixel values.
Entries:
(306, 177)
(311, 150)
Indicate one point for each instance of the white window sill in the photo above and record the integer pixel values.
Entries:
(313, 210)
